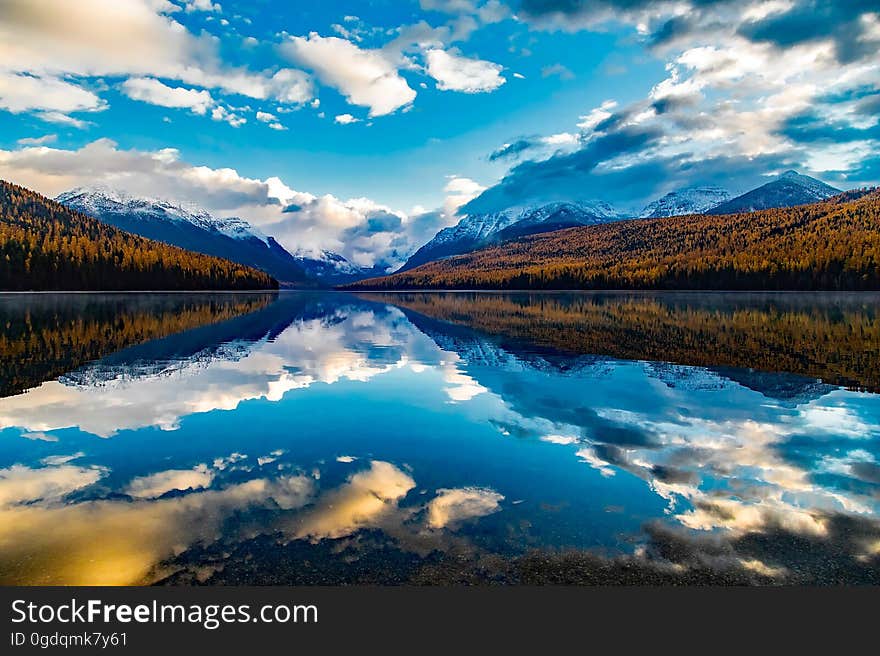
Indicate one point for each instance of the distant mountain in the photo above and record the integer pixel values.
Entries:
(330, 268)
(187, 226)
(479, 230)
(788, 190)
(829, 245)
(694, 200)
(47, 246)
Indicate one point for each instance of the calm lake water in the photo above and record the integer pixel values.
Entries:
(326, 438)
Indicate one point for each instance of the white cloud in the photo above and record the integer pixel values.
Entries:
(291, 86)
(364, 500)
(453, 506)
(24, 93)
(460, 190)
(155, 92)
(53, 170)
(155, 485)
(220, 113)
(455, 72)
(562, 139)
(270, 119)
(20, 484)
(346, 119)
(38, 141)
(49, 40)
(42, 437)
(63, 119)
(560, 439)
(365, 77)
(202, 5)
(597, 115)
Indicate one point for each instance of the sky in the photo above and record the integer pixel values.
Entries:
(363, 127)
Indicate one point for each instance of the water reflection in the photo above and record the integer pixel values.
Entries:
(327, 438)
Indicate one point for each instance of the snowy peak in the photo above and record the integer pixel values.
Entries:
(694, 200)
(188, 226)
(817, 188)
(333, 269)
(788, 190)
(477, 230)
(101, 201)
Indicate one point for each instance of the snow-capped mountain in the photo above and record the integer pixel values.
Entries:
(187, 226)
(478, 230)
(100, 200)
(694, 200)
(789, 189)
(332, 269)
(196, 229)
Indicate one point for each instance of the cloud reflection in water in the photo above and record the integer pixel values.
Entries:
(725, 456)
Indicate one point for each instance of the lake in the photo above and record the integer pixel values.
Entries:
(439, 438)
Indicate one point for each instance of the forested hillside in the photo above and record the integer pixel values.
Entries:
(46, 246)
(830, 245)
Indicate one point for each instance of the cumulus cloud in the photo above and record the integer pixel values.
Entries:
(453, 506)
(346, 119)
(363, 501)
(454, 72)
(459, 191)
(53, 170)
(20, 484)
(21, 92)
(155, 485)
(270, 119)
(202, 5)
(155, 92)
(367, 78)
(43, 41)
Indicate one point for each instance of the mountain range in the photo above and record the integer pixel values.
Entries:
(45, 245)
(832, 244)
(476, 231)
(194, 228)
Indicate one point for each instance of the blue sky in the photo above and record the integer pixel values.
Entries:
(373, 123)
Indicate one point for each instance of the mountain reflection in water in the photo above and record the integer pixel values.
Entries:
(308, 438)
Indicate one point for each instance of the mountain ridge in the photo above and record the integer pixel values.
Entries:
(828, 245)
(479, 230)
(187, 226)
(45, 245)
(476, 230)
(691, 200)
(787, 190)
